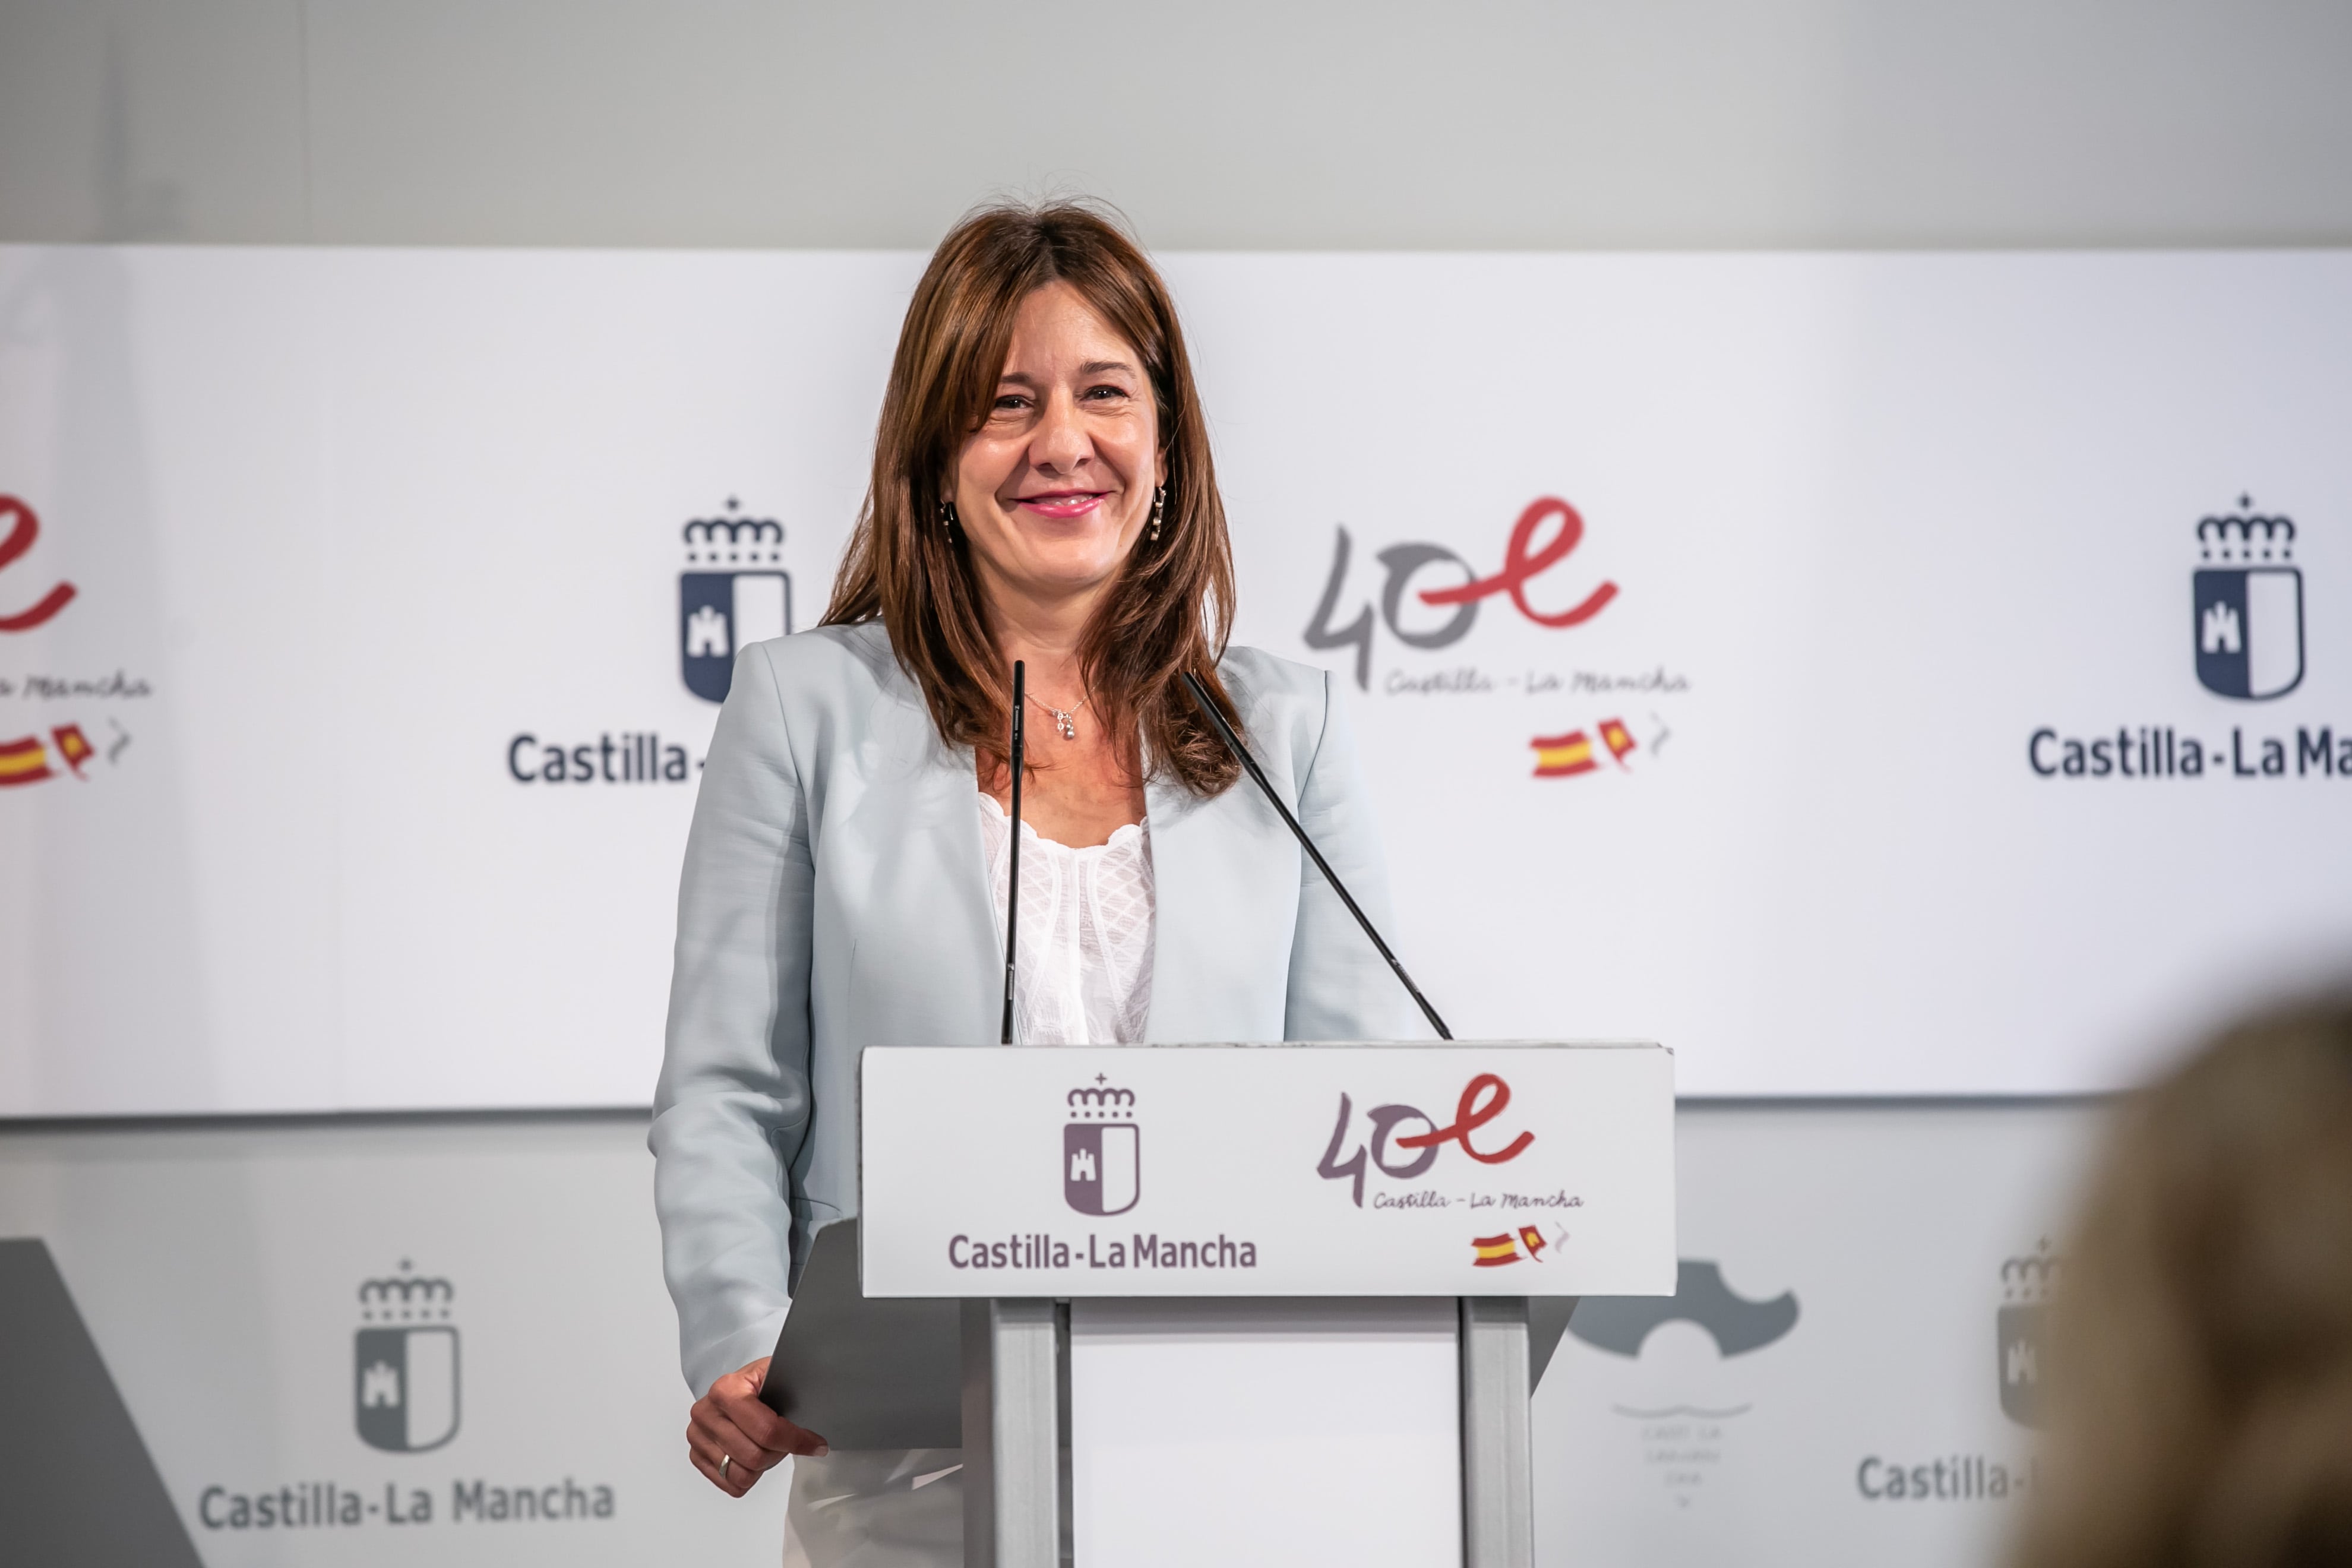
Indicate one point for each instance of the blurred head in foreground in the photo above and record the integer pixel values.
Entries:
(2199, 1371)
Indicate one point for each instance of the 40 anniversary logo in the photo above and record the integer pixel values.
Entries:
(54, 748)
(1484, 1099)
(1564, 754)
(1521, 565)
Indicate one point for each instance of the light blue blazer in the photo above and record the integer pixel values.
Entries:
(834, 897)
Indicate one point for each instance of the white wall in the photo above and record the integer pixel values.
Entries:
(1221, 124)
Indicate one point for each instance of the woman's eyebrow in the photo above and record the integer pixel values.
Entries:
(1092, 367)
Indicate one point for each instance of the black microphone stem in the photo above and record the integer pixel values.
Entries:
(1012, 878)
(1241, 753)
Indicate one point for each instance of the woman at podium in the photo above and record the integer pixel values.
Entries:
(1043, 491)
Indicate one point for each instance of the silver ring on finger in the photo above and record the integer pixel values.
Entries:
(724, 1460)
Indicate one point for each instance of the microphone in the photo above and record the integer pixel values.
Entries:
(1012, 880)
(1241, 754)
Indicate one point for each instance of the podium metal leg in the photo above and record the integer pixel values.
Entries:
(1013, 1438)
(1499, 1528)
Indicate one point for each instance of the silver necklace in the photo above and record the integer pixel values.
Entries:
(1062, 720)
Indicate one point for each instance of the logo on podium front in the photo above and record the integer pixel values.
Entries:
(734, 592)
(405, 1363)
(2249, 607)
(1102, 1154)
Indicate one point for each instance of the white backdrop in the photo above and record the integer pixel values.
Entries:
(343, 527)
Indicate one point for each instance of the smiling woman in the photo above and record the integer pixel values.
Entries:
(1042, 492)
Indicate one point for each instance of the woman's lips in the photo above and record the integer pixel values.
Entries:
(1069, 504)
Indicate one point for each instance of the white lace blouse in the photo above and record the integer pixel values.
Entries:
(1083, 973)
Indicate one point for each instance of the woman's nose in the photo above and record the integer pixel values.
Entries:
(1061, 442)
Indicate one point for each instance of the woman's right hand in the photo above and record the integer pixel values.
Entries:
(734, 1439)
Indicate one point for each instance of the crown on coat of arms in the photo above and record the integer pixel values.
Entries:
(406, 1298)
(2030, 1279)
(745, 539)
(2240, 534)
(1103, 1102)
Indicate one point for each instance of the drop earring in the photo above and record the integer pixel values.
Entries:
(1158, 505)
(948, 520)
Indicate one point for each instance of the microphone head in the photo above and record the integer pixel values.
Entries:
(1020, 702)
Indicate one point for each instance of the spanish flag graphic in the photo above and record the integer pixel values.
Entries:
(73, 746)
(1617, 738)
(24, 762)
(1563, 756)
(1495, 1250)
(1532, 1239)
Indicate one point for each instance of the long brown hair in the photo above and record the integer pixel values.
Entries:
(1170, 607)
(2199, 1372)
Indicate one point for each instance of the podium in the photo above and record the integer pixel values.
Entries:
(1240, 1303)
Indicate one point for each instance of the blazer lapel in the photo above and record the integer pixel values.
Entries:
(917, 833)
(1180, 967)
(1225, 899)
(967, 904)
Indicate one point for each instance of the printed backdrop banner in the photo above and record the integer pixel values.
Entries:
(1844, 1376)
(1862, 674)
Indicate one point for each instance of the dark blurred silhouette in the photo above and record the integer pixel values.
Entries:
(2198, 1369)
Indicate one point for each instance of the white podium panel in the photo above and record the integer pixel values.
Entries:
(1245, 1410)
(1471, 1169)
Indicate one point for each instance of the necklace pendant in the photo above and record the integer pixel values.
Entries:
(1069, 730)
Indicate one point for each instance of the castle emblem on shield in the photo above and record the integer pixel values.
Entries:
(2025, 1286)
(2249, 605)
(1102, 1156)
(734, 591)
(405, 1363)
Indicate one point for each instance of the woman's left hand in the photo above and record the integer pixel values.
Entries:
(734, 1439)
